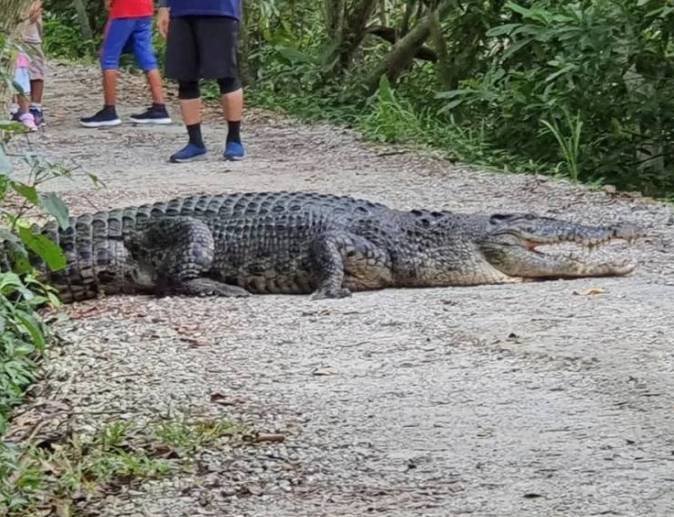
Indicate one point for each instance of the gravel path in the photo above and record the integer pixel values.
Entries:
(536, 399)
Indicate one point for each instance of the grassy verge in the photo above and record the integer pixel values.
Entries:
(389, 117)
(44, 476)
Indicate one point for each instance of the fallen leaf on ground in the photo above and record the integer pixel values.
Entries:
(219, 398)
(592, 291)
(270, 437)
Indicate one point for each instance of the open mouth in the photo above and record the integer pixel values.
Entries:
(627, 235)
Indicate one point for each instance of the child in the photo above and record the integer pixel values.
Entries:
(22, 80)
(31, 76)
(32, 39)
(129, 25)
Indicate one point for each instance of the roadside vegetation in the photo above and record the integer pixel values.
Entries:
(45, 477)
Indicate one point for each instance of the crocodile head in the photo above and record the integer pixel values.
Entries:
(512, 244)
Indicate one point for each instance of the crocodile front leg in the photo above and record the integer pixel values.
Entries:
(344, 261)
(177, 253)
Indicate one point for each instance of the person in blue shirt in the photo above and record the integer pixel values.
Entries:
(201, 43)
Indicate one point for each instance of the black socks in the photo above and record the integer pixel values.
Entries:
(194, 132)
(234, 131)
(109, 109)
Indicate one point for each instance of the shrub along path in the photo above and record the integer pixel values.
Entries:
(536, 399)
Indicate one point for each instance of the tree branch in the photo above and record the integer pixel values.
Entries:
(389, 34)
(402, 54)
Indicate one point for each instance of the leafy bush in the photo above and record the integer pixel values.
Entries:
(607, 63)
(63, 39)
(23, 333)
(23, 337)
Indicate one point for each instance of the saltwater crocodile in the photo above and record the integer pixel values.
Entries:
(300, 242)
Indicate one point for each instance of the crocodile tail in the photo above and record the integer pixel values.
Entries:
(93, 245)
(94, 248)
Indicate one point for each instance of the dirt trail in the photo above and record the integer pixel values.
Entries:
(514, 400)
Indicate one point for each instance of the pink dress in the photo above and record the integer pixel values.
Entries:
(22, 60)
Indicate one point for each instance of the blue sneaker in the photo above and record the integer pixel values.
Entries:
(104, 118)
(234, 151)
(189, 153)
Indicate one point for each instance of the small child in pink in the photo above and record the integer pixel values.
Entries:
(22, 81)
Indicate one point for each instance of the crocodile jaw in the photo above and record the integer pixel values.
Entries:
(522, 259)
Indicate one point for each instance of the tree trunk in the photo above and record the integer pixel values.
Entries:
(440, 44)
(353, 31)
(389, 34)
(334, 17)
(405, 22)
(83, 19)
(244, 49)
(402, 54)
(383, 16)
(13, 12)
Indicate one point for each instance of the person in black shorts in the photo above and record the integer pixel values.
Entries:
(201, 43)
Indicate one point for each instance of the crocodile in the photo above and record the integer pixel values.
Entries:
(304, 242)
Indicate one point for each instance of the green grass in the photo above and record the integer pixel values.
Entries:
(389, 117)
(34, 477)
(187, 437)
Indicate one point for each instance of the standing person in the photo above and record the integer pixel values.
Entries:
(129, 26)
(22, 79)
(32, 38)
(202, 38)
(31, 68)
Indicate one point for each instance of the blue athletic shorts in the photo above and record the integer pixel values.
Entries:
(128, 34)
(22, 79)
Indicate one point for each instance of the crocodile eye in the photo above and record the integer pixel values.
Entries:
(499, 218)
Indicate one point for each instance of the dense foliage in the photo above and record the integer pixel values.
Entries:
(23, 333)
(581, 88)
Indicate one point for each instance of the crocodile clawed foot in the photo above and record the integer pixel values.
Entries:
(324, 294)
(209, 287)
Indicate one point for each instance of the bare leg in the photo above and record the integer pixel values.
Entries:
(232, 105)
(156, 88)
(36, 90)
(23, 102)
(110, 87)
(191, 110)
